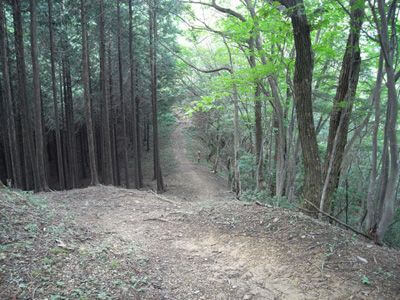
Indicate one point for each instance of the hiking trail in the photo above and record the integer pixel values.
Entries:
(197, 242)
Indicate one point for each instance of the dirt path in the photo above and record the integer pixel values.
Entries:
(192, 181)
(196, 242)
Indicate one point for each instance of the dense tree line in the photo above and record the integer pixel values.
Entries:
(79, 89)
(312, 91)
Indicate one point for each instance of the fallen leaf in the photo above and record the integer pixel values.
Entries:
(363, 260)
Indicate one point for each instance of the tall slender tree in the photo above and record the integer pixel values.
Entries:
(12, 136)
(69, 119)
(303, 101)
(60, 166)
(343, 103)
(113, 122)
(133, 99)
(121, 99)
(107, 160)
(153, 66)
(94, 179)
(385, 20)
(42, 184)
(30, 169)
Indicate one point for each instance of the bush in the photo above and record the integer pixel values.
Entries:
(167, 119)
(247, 171)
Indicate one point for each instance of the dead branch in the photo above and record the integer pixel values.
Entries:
(193, 66)
(162, 198)
(338, 221)
(157, 219)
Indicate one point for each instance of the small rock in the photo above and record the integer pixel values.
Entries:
(247, 297)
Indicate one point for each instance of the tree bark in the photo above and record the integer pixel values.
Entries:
(60, 166)
(303, 103)
(10, 120)
(30, 168)
(370, 218)
(70, 122)
(387, 44)
(7, 159)
(94, 178)
(122, 102)
(343, 102)
(113, 125)
(153, 65)
(258, 138)
(236, 182)
(107, 159)
(133, 95)
(42, 183)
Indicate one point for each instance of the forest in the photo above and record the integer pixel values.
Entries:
(307, 118)
(79, 90)
(297, 103)
(286, 104)
(294, 103)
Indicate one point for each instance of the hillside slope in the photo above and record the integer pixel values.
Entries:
(193, 242)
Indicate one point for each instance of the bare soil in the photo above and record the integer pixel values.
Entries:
(196, 241)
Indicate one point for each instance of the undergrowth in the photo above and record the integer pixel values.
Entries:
(45, 255)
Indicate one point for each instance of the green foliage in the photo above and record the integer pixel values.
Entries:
(247, 171)
(205, 104)
(139, 283)
(167, 119)
(365, 280)
(253, 196)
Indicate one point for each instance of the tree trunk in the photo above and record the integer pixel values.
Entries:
(10, 120)
(343, 102)
(133, 96)
(303, 103)
(153, 65)
(94, 178)
(60, 166)
(147, 134)
(138, 140)
(257, 102)
(70, 124)
(122, 102)
(370, 218)
(277, 106)
(236, 183)
(113, 120)
(7, 148)
(107, 159)
(42, 183)
(387, 44)
(30, 168)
